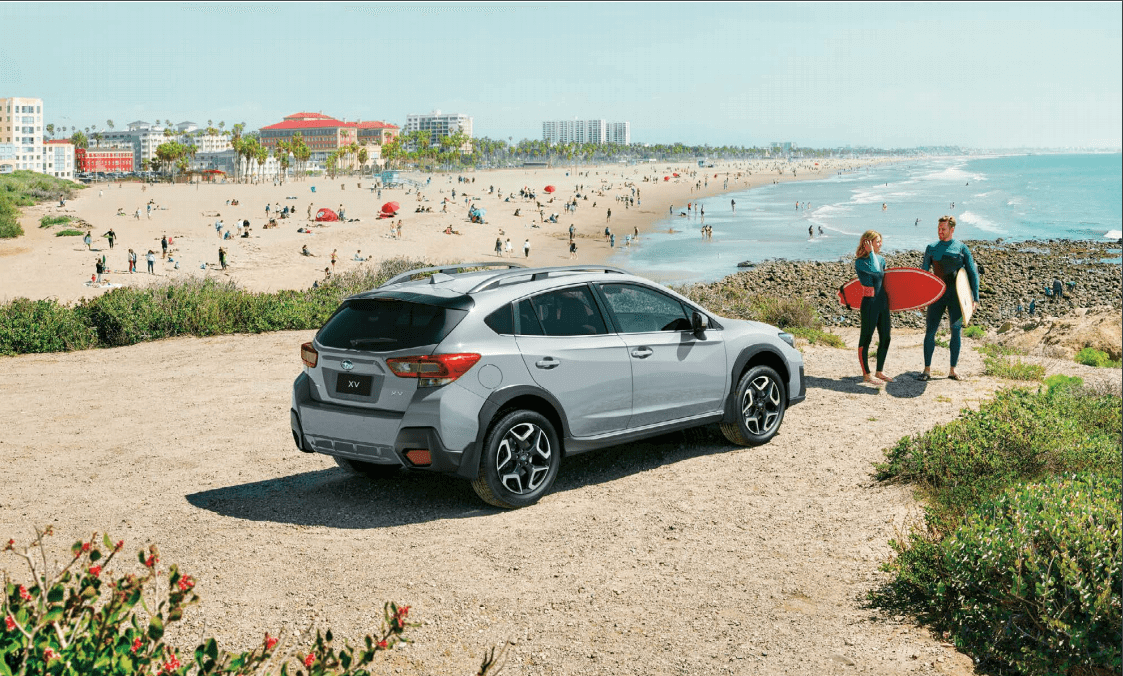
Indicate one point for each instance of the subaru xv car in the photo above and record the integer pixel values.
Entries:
(494, 375)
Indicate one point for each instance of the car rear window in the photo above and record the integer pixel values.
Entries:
(384, 325)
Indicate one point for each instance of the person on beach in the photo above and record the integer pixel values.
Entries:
(99, 266)
(88, 240)
(164, 246)
(334, 258)
(870, 266)
(498, 247)
(526, 248)
(111, 236)
(945, 258)
(572, 250)
(151, 256)
(222, 257)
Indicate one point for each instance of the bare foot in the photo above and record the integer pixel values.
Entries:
(884, 377)
(870, 381)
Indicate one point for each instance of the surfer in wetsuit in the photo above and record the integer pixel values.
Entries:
(870, 266)
(944, 259)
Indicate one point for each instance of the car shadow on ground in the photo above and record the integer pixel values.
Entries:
(337, 498)
(904, 385)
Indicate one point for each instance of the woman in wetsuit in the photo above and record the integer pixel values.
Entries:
(870, 266)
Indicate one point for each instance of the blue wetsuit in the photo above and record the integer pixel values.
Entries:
(945, 259)
(874, 310)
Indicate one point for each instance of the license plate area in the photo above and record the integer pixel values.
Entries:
(353, 385)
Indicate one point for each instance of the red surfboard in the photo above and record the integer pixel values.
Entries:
(907, 288)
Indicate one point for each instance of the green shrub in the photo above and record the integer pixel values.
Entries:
(974, 331)
(1018, 439)
(814, 336)
(48, 221)
(1034, 577)
(997, 363)
(1090, 356)
(69, 233)
(85, 620)
(9, 219)
(28, 326)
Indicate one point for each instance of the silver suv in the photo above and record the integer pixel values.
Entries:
(494, 375)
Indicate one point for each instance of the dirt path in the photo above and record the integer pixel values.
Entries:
(680, 555)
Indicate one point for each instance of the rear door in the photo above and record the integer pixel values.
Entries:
(356, 342)
(571, 354)
(675, 374)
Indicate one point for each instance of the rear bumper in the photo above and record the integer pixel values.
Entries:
(377, 437)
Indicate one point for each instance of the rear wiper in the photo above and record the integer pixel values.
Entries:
(355, 342)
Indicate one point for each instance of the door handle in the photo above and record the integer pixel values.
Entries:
(547, 363)
(642, 352)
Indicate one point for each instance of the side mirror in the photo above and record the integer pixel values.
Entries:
(699, 323)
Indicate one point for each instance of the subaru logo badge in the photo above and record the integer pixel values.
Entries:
(347, 365)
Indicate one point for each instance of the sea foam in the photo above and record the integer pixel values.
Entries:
(979, 222)
(1113, 234)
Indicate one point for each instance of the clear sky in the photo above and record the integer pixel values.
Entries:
(886, 75)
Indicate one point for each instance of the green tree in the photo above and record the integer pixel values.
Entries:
(80, 140)
(50, 129)
(109, 123)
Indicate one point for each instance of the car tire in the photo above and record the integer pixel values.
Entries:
(520, 460)
(760, 402)
(368, 469)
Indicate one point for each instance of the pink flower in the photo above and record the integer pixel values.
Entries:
(95, 570)
(151, 561)
(49, 654)
(85, 546)
(186, 582)
(136, 644)
(270, 642)
(171, 665)
(119, 545)
(10, 623)
(382, 644)
(309, 660)
(24, 594)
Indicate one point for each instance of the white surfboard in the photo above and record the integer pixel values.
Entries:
(963, 291)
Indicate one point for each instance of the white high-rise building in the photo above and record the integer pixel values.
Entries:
(58, 158)
(586, 131)
(21, 134)
(440, 124)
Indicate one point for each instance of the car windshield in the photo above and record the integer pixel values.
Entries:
(384, 325)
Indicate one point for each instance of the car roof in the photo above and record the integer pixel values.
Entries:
(517, 280)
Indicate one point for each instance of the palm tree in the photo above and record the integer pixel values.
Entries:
(51, 129)
(109, 123)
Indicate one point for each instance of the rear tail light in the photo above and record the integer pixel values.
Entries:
(433, 370)
(309, 356)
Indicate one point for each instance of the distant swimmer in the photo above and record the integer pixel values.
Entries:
(884, 206)
(917, 222)
(810, 232)
(820, 231)
(733, 203)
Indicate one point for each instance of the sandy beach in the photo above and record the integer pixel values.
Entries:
(41, 265)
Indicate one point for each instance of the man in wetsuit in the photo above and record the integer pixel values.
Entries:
(944, 259)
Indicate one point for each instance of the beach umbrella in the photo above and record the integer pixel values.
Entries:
(549, 188)
(391, 208)
(666, 178)
(675, 175)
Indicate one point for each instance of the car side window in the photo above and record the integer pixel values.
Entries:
(502, 321)
(528, 320)
(568, 312)
(639, 309)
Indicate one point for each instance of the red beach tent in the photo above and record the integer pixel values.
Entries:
(326, 215)
(391, 208)
(549, 188)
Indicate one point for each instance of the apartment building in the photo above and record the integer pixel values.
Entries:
(58, 158)
(103, 160)
(21, 134)
(143, 137)
(586, 131)
(440, 124)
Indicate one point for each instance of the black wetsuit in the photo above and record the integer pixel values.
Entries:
(874, 309)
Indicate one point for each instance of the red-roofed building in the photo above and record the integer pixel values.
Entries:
(324, 135)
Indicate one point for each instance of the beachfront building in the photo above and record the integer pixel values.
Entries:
(104, 160)
(586, 131)
(21, 134)
(143, 137)
(324, 135)
(58, 158)
(228, 162)
(440, 125)
(190, 134)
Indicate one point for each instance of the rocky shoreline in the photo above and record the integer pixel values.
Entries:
(1014, 273)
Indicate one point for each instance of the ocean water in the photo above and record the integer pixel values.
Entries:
(1024, 197)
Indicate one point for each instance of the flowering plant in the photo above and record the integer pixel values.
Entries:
(83, 619)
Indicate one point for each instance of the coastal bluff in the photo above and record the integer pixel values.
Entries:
(1013, 274)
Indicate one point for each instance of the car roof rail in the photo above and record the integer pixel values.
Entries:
(497, 279)
(446, 269)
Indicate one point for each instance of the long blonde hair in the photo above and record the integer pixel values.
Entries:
(867, 236)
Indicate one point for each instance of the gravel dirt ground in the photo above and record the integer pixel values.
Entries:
(678, 555)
